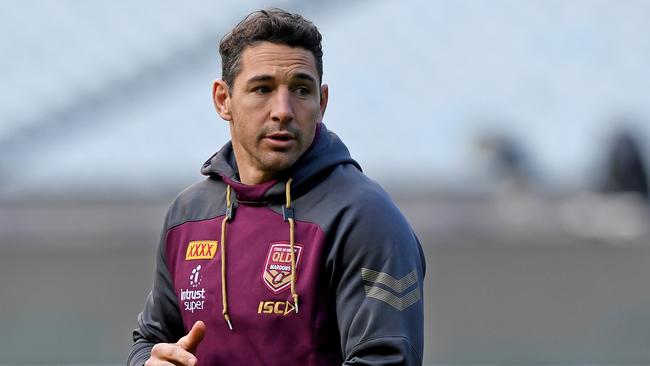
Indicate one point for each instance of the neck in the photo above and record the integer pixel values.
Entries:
(249, 174)
(253, 176)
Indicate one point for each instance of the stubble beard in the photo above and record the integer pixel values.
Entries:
(277, 160)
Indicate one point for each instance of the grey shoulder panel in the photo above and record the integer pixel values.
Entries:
(203, 200)
(375, 266)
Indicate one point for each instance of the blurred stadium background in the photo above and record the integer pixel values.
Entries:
(513, 134)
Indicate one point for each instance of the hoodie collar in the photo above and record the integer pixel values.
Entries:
(326, 151)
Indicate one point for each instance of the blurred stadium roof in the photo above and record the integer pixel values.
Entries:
(115, 96)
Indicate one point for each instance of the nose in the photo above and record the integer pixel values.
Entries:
(281, 109)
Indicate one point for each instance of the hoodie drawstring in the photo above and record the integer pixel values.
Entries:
(227, 218)
(287, 213)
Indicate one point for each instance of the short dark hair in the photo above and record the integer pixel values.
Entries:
(271, 25)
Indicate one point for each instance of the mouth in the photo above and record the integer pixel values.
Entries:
(280, 139)
(280, 136)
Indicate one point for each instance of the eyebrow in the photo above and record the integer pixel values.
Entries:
(300, 75)
(305, 76)
(257, 78)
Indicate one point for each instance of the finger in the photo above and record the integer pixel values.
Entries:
(154, 362)
(190, 341)
(172, 353)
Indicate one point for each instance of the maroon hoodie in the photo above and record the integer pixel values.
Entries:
(357, 268)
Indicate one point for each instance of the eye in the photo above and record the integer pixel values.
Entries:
(262, 89)
(303, 91)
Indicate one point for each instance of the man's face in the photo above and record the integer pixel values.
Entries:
(273, 108)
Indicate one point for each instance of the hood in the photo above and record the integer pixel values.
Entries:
(326, 151)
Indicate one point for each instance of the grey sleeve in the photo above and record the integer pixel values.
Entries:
(379, 284)
(160, 321)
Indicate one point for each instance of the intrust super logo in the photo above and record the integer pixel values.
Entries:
(194, 298)
(201, 249)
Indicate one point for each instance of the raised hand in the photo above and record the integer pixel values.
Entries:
(179, 353)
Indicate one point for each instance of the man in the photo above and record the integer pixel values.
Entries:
(286, 254)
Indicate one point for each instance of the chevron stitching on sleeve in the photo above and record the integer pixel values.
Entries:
(388, 280)
(399, 286)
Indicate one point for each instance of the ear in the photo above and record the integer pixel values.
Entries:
(324, 94)
(221, 98)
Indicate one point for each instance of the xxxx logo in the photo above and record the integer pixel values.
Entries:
(201, 249)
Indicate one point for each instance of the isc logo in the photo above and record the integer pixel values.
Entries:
(201, 249)
(275, 307)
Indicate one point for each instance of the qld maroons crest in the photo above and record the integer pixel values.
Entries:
(277, 270)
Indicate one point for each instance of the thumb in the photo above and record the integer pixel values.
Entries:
(191, 340)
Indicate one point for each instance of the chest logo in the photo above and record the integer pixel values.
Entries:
(201, 249)
(193, 298)
(283, 308)
(277, 269)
